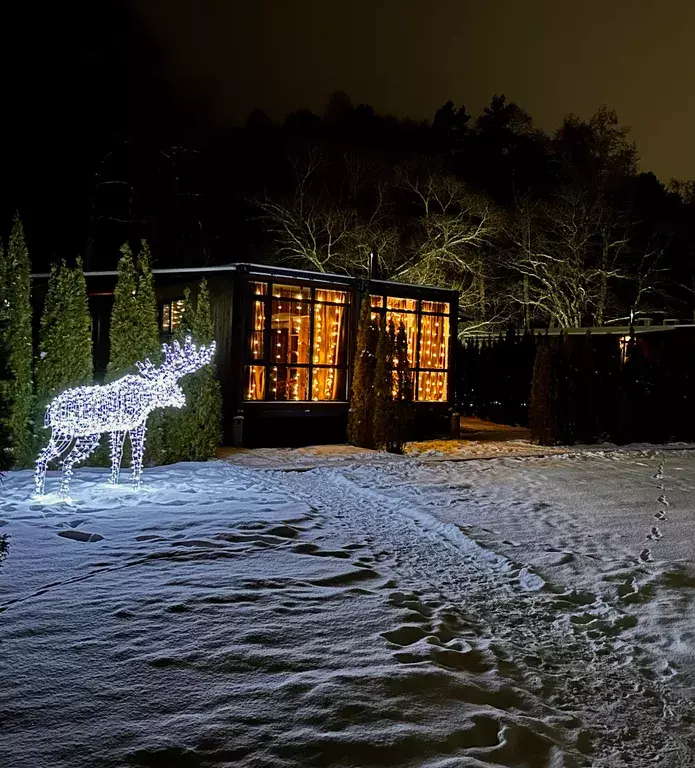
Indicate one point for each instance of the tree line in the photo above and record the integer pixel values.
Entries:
(533, 229)
(28, 382)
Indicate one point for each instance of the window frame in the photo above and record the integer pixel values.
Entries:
(265, 362)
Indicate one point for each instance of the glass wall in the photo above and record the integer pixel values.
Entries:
(298, 343)
(427, 327)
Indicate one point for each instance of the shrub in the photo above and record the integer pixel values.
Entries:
(362, 393)
(15, 319)
(385, 430)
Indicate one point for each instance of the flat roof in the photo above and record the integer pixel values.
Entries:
(268, 270)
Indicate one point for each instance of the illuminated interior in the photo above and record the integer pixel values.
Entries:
(171, 314)
(427, 330)
(297, 345)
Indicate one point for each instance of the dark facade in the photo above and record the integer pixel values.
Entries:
(286, 342)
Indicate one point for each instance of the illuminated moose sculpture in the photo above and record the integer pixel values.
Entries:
(84, 413)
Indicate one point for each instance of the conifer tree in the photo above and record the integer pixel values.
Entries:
(124, 330)
(362, 394)
(195, 432)
(5, 444)
(404, 388)
(146, 301)
(15, 319)
(384, 427)
(149, 347)
(134, 333)
(65, 337)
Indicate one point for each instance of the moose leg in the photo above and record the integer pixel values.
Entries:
(80, 451)
(56, 445)
(116, 440)
(137, 444)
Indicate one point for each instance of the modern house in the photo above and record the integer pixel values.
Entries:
(286, 341)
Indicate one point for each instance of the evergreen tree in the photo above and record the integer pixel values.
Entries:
(5, 444)
(124, 331)
(146, 301)
(65, 338)
(149, 347)
(404, 388)
(362, 395)
(134, 333)
(384, 427)
(15, 319)
(195, 432)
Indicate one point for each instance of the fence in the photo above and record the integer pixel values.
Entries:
(583, 388)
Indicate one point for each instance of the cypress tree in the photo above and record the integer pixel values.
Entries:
(384, 427)
(404, 388)
(5, 444)
(15, 319)
(362, 394)
(146, 301)
(124, 331)
(134, 333)
(65, 337)
(149, 347)
(195, 432)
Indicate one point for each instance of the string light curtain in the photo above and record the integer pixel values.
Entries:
(297, 344)
(427, 329)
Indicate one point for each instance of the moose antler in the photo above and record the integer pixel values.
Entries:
(147, 369)
(188, 359)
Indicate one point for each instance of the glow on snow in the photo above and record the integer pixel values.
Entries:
(85, 413)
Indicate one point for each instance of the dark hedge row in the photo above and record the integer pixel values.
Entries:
(581, 389)
(494, 379)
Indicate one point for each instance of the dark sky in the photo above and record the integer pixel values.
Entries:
(410, 56)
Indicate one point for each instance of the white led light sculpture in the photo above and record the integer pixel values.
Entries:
(84, 413)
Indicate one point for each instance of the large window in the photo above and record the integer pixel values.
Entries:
(297, 345)
(427, 329)
(170, 315)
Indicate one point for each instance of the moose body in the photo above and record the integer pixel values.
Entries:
(121, 407)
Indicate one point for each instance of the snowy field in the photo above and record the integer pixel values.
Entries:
(516, 612)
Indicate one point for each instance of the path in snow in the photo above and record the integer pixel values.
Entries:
(565, 645)
(400, 614)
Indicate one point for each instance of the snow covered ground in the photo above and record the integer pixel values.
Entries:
(521, 612)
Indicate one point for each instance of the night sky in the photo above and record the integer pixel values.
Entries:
(409, 57)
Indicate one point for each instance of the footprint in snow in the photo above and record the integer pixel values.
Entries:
(660, 515)
(655, 534)
(80, 535)
(662, 500)
(646, 556)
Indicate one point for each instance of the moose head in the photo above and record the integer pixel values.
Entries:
(178, 362)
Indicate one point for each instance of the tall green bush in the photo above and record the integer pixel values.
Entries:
(134, 333)
(362, 394)
(65, 336)
(403, 407)
(195, 432)
(125, 328)
(384, 426)
(5, 444)
(149, 347)
(15, 320)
